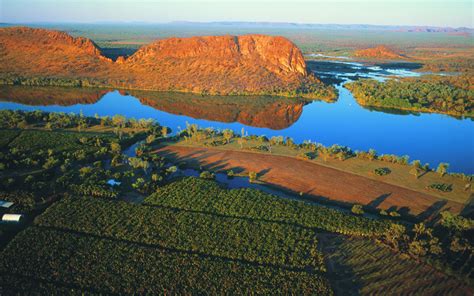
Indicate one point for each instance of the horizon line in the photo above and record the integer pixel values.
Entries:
(230, 22)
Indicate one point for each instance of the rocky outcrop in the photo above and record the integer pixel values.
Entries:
(219, 64)
(249, 64)
(38, 52)
(379, 52)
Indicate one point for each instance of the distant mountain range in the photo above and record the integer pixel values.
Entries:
(429, 29)
(400, 28)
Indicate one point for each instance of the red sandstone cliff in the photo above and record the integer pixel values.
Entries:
(250, 64)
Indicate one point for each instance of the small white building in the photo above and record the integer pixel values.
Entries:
(5, 204)
(12, 217)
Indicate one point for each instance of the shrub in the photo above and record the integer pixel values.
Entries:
(207, 175)
(357, 209)
(441, 187)
(394, 214)
(382, 171)
(252, 176)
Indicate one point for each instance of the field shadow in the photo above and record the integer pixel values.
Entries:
(433, 210)
(379, 200)
(468, 210)
(342, 277)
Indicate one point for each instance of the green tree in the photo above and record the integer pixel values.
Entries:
(394, 235)
(357, 209)
(115, 148)
(119, 121)
(164, 131)
(442, 169)
(228, 134)
(252, 176)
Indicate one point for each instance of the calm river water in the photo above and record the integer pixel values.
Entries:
(431, 138)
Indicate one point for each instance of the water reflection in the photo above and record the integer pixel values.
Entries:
(257, 111)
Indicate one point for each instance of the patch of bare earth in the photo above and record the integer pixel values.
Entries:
(313, 179)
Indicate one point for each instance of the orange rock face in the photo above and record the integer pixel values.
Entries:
(379, 52)
(38, 52)
(250, 64)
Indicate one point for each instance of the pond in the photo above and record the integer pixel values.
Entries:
(431, 138)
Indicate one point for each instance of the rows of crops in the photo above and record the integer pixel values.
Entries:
(6, 136)
(376, 270)
(258, 242)
(59, 261)
(203, 195)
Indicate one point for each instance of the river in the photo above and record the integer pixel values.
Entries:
(431, 138)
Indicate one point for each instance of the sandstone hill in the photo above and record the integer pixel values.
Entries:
(45, 53)
(226, 64)
(249, 64)
(379, 52)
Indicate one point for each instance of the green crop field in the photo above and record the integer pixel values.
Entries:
(202, 195)
(55, 261)
(148, 248)
(258, 242)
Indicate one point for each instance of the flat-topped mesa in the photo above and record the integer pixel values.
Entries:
(223, 64)
(278, 54)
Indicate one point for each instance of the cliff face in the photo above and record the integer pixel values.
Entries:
(277, 54)
(379, 52)
(219, 64)
(249, 64)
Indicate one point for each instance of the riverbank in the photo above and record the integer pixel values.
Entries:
(323, 181)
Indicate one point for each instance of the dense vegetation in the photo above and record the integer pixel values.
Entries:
(59, 261)
(46, 155)
(226, 237)
(450, 95)
(8, 79)
(201, 195)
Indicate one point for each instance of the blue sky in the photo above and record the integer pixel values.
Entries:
(453, 13)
